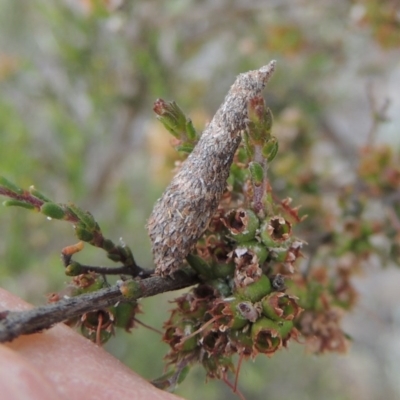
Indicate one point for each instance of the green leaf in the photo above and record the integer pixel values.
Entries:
(257, 173)
(185, 148)
(52, 210)
(33, 191)
(84, 216)
(83, 234)
(10, 186)
(18, 203)
(190, 131)
(114, 257)
(270, 149)
(249, 146)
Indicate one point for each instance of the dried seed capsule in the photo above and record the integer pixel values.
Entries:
(242, 224)
(280, 306)
(183, 212)
(266, 336)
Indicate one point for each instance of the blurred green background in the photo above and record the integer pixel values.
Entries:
(77, 83)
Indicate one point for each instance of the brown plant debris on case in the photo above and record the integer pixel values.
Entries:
(184, 210)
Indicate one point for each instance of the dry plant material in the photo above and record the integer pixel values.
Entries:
(183, 212)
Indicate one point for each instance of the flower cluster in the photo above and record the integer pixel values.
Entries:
(259, 289)
(209, 328)
(244, 258)
(261, 285)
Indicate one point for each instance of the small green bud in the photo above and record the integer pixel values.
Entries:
(257, 173)
(114, 257)
(84, 216)
(52, 210)
(130, 289)
(190, 131)
(176, 122)
(126, 254)
(268, 119)
(185, 148)
(270, 149)
(249, 146)
(83, 234)
(73, 269)
(260, 118)
(108, 245)
(88, 219)
(99, 283)
(18, 203)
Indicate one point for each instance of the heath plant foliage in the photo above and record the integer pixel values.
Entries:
(268, 256)
(265, 272)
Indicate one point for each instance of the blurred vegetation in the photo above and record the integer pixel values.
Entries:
(77, 82)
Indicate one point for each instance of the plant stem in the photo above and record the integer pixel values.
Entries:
(17, 323)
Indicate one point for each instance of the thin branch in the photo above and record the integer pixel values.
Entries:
(131, 270)
(17, 323)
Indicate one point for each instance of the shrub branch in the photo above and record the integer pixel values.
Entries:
(17, 323)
